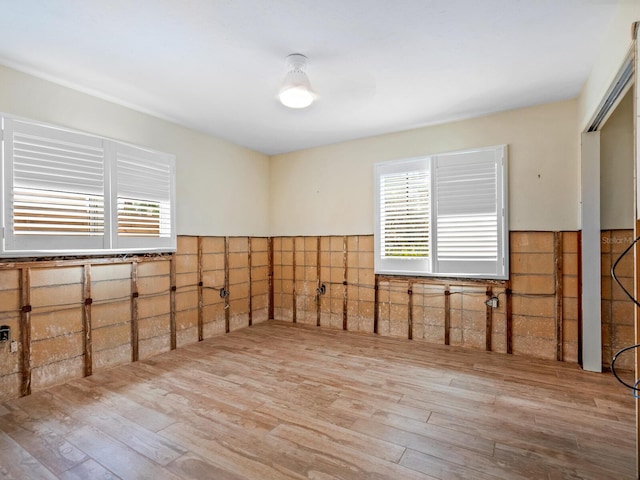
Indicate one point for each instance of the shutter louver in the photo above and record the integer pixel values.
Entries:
(144, 195)
(404, 214)
(58, 183)
(467, 222)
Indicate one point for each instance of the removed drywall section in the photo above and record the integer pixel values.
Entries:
(536, 313)
(70, 318)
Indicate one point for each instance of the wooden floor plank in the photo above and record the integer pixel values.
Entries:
(285, 401)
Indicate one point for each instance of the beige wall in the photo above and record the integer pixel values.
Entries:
(616, 168)
(222, 189)
(329, 190)
(614, 48)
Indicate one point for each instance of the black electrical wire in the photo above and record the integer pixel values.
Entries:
(633, 387)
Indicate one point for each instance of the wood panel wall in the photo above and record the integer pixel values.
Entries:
(74, 317)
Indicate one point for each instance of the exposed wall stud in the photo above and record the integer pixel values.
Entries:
(410, 306)
(200, 292)
(249, 261)
(134, 312)
(227, 308)
(447, 314)
(558, 275)
(376, 301)
(579, 248)
(294, 313)
(172, 303)
(489, 320)
(508, 318)
(345, 291)
(270, 261)
(318, 283)
(25, 330)
(86, 321)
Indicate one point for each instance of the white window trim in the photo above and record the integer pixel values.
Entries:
(431, 266)
(68, 245)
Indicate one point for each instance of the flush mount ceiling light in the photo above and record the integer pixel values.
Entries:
(296, 90)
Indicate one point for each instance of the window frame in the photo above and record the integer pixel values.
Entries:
(432, 266)
(15, 244)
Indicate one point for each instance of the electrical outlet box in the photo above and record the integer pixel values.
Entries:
(492, 302)
(13, 346)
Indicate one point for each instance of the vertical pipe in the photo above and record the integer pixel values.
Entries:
(25, 330)
(86, 321)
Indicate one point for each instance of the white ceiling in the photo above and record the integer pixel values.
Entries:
(378, 66)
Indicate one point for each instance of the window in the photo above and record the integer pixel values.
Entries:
(443, 215)
(69, 193)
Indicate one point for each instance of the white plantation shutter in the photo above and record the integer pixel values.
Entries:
(54, 188)
(403, 216)
(404, 213)
(469, 213)
(70, 193)
(145, 192)
(443, 215)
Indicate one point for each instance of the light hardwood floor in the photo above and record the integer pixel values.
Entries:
(278, 400)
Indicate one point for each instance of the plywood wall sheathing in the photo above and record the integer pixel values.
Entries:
(570, 296)
(111, 290)
(213, 279)
(260, 279)
(57, 330)
(188, 298)
(533, 287)
(11, 363)
(283, 278)
(617, 308)
(332, 276)
(361, 283)
(239, 278)
(306, 280)
(154, 307)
